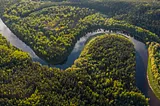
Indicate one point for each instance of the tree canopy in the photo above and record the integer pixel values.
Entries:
(103, 76)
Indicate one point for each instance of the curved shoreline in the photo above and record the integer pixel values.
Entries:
(149, 83)
(91, 34)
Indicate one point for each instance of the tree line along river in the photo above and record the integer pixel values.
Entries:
(141, 57)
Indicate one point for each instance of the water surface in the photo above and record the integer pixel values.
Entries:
(141, 57)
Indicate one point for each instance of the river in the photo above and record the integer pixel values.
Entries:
(141, 58)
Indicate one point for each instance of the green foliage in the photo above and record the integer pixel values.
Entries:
(98, 77)
(53, 31)
(11, 56)
(104, 74)
(154, 56)
(142, 13)
(153, 72)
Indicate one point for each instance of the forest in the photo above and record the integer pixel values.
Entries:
(53, 31)
(154, 67)
(104, 73)
(88, 82)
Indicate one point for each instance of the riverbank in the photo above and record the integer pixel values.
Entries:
(101, 65)
(140, 47)
(152, 82)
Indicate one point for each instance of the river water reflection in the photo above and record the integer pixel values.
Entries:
(141, 58)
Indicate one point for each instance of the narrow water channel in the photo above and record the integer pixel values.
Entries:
(15, 41)
(141, 58)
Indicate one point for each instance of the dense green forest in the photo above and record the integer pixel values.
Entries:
(94, 79)
(143, 13)
(154, 67)
(53, 31)
(104, 74)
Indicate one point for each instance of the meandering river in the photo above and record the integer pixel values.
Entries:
(141, 58)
